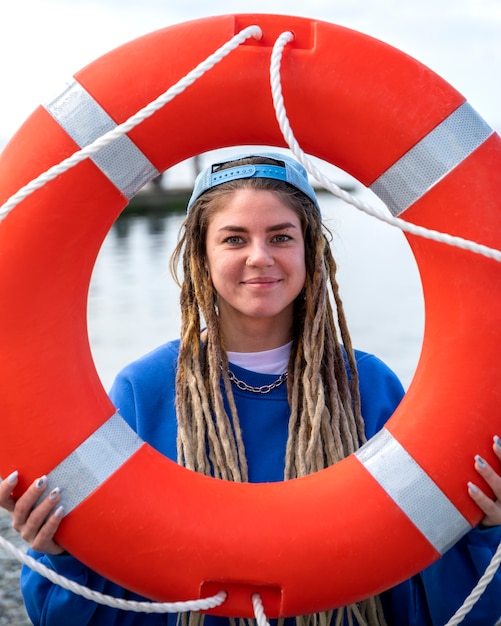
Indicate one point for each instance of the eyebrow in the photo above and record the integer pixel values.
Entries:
(270, 229)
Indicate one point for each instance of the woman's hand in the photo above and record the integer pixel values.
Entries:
(491, 507)
(36, 525)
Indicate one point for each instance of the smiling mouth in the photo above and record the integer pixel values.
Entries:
(261, 281)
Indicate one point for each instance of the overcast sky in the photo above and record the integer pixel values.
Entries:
(43, 42)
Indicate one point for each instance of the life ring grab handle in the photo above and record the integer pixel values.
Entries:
(203, 604)
(214, 601)
(114, 153)
(452, 141)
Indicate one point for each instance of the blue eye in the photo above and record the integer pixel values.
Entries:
(282, 238)
(234, 239)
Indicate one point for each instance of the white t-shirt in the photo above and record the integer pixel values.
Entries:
(267, 362)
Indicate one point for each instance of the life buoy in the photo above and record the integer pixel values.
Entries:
(359, 104)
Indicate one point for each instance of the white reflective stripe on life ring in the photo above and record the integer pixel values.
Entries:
(83, 118)
(414, 492)
(445, 147)
(93, 462)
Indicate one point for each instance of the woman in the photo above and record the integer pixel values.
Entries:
(263, 385)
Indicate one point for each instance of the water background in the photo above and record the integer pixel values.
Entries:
(133, 300)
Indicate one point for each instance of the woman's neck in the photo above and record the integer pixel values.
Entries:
(255, 334)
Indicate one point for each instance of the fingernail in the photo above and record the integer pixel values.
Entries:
(480, 462)
(11, 478)
(497, 441)
(54, 494)
(41, 482)
(59, 512)
(473, 488)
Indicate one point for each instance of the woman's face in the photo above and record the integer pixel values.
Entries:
(256, 257)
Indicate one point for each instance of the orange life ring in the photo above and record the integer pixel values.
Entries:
(355, 102)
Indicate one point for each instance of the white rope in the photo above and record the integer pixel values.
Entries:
(479, 589)
(259, 614)
(116, 603)
(132, 122)
(281, 114)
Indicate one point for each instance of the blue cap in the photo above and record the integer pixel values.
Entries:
(290, 172)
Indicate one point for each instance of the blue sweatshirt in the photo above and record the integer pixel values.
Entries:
(144, 393)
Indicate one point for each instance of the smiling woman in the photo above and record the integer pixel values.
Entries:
(190, 401)
(257, 265)
(255, 259)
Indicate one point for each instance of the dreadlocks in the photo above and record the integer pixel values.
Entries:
(325, 422)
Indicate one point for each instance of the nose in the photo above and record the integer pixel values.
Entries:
(259, 255)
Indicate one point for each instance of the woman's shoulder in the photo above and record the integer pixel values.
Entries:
(162, 355)
(156, 364)
(370, 365)
(380, 391)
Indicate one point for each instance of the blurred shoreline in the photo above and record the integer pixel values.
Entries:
(12, 611)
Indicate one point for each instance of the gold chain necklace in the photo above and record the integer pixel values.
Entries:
(263, 389)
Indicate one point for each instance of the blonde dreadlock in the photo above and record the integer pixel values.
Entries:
(325, 423)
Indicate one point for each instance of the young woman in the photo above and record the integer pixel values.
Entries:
(263, 385)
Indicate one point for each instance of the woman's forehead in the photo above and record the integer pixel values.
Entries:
(250, 206)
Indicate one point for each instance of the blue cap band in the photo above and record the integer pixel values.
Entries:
(290, 172)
